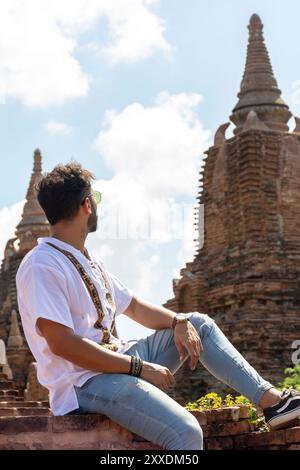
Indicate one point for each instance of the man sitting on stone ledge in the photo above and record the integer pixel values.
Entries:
(68, 302)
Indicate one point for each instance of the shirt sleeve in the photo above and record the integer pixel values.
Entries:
(123, 295)
(43, 291)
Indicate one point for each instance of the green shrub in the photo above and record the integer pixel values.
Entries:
(292, 378)
(213, 400)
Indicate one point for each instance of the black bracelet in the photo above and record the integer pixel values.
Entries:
(133, 364)
(133, 358)
(136, 366)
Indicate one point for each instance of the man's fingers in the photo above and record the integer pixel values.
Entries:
(171, 378)
(198, 348)
(197, 340)
(181, 351)
(167, 380)
(195, 352)
(192, 353)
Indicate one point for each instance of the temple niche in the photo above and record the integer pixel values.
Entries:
(246, 275)
(33, 224)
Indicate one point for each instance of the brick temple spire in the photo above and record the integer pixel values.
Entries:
(259, 89)
(33, 222)
(246, 272)
(33, 225)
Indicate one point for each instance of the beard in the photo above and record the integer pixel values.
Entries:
(93, 220)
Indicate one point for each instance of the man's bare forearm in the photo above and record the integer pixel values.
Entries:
(91, 356)
(150, 315)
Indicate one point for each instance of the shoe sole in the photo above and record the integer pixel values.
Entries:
(285, 420)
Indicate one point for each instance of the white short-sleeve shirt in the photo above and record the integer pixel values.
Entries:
(49, 286)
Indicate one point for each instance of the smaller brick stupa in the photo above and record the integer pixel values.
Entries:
(33, 224)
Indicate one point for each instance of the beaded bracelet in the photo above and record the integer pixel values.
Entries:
(136, 366)
(139, 368)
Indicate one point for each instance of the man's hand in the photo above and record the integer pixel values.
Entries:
(187, 338)
(158, 375)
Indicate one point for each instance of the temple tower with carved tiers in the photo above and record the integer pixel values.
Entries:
(33, 224)
(246, 274)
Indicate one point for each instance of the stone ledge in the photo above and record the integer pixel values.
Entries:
(258, 439)
(225, 428)
(75, 432)
(91, 432)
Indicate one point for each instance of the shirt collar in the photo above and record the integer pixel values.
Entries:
(66, 246)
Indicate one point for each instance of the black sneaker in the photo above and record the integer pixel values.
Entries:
(286, 412)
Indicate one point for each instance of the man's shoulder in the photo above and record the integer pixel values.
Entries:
(38, 256)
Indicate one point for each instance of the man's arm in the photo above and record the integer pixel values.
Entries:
(89, 355)
(150, 315)
(155, 317)
(83, 352)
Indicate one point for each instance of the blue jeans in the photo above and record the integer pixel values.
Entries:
(148, 411)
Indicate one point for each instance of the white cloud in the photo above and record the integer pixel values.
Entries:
(154, 153)
(9, 218)
(156, 147)
(54, 128)
(37, 63)
(134, 36)
(39, 41)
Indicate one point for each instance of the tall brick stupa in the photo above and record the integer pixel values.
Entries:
(33, 224)
(246, 274)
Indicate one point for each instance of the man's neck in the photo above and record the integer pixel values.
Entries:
(77, 243)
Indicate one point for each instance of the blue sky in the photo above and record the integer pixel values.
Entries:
(135, 92)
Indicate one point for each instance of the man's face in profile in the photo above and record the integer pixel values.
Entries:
(93, 218)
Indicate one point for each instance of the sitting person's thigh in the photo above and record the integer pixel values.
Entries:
(140, 407)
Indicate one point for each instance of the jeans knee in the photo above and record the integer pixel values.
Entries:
(191, 435)
(202, 322)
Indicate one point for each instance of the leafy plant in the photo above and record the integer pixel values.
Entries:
(213, 400)
(210, 401)
(207, 402)
(229, 401)
(292, 378)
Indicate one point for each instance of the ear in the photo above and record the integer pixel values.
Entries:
(87, 205)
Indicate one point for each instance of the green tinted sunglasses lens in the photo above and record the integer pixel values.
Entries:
(97, 196)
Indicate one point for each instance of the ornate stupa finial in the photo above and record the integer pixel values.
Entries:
(255, 22)
(259, 89)
(34, 222)
(37, 166)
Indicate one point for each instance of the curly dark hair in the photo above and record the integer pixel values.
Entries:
(61, 191)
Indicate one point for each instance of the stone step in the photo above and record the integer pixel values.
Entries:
(23, 404)
(6, 384)
(9, 393)
(24, 411)
(4, 400)
(3, 376)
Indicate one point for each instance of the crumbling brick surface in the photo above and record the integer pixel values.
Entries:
(30, 425)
